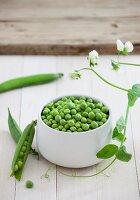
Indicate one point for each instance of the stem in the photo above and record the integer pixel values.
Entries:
(126, 119)
(123, 63)
(91, 174)
(111, 84)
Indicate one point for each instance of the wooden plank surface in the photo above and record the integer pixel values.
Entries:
(67, 27)
(124, 178)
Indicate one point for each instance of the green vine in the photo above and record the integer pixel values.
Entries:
(117, 152)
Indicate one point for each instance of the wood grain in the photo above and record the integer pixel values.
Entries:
(67, 27)
(124, 178)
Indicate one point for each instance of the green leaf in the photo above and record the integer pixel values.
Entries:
(123, 155)
(115, 65)
(132, 97)
(75, 75)
(118, 136)
(133, 94)
(136, 89)
(120, 124)
(107, 151)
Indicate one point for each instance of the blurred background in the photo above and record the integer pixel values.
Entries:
(63, 27)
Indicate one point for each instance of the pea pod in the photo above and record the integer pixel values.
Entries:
(28, 81)
(16, 131)
(22, 150)
(13, 127)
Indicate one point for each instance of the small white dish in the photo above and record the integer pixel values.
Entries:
(75, 149)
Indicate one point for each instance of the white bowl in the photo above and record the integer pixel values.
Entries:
(72, 149)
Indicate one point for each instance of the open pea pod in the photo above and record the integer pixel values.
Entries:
(22, 150)
(16, 131)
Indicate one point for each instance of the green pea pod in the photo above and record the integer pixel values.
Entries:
(16, 131)
(22, 150)
(28, 81)
(13, 127)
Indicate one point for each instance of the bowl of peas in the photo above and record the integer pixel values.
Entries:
(72, 129)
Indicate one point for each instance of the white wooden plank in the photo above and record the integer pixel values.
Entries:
(122, 183)
(10, 67)
(71, 188)
(32, 100)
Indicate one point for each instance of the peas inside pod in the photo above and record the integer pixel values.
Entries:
(75, 114)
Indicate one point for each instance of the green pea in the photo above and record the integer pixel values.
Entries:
(63, 122)
(45, 121)
(68, 130)
(70, 106)
(49, 123)
(59, 107)
(50, 105)
(66, 126)
(46, 111)
(83, 98)
(99, 105)
(105, 109)
(25, 143)
(100, 123)
(54, 125)
(67, 116)
(67, 111)
(62, 115)
(94, 124)
(89, 121)
(73, 128)
(88, 110)
(97, 110)
(78, 108)
(85, 127)
(64, 99)
(56, 104)
(60, 127)
(91, 115)
(76, 101)
(89, 100)
(29, 184)
(83, 120)
(73, 112)
(63, 129)
(54, 122)
(54, 112)
(85, 114)
(23, 149)
(98, 116)
(19, 163)
(60, 102)
(16, 168)
(78, 117)
(72, 98)
(91, 105)
(49, 117)
(104, 119)
(21, 154)
(83, 106)
(79, 129)
(71, 122)
(43, 117)
(104, 115)
(78, 125)
(57, 118)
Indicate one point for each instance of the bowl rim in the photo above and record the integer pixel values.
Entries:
(76, 133)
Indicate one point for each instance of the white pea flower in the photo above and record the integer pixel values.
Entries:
(126, 48)
(75, 75)
(93, 58)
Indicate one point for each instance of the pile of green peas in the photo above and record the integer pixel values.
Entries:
(75, 114)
